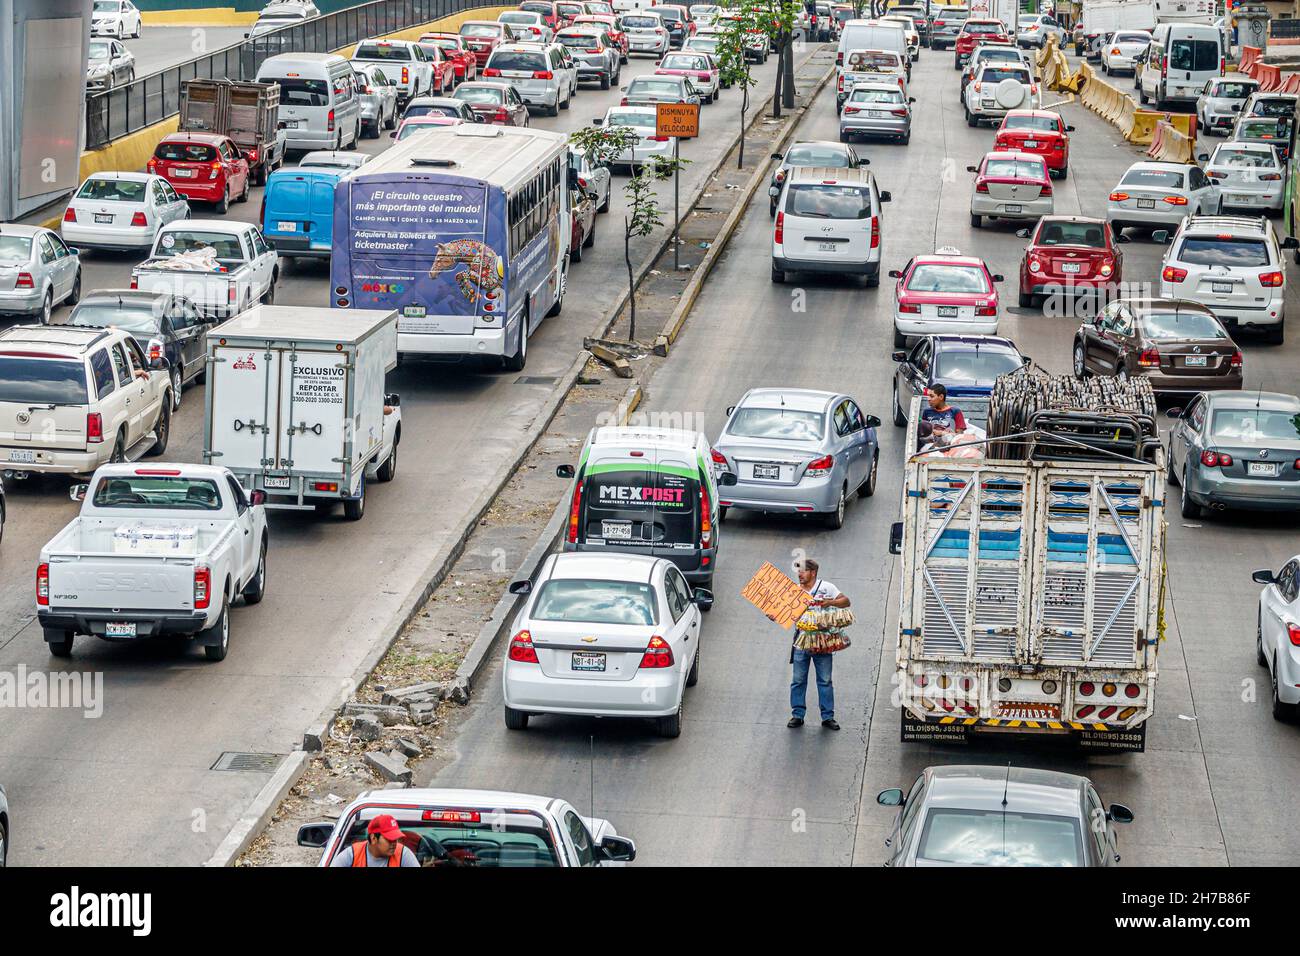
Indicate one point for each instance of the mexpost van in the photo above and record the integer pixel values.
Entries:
(298, 211)
(1181, 59)
(647, 491)
(320, 107)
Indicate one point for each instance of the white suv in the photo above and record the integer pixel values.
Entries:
(72, 399)
(1233, 265)
(828, 220)
(543, 76)
(997, 88)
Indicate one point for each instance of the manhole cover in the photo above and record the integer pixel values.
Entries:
(258, 763)
(537, 379)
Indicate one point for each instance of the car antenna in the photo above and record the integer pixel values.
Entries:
(1258, 395)
(1005, 786)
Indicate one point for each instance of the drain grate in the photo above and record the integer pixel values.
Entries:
(257, 763)
(537, 379)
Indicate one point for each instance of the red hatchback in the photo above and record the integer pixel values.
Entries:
(1037, 131)
(202, 166)
(550, 12)
(611, 25)
(1068, 255)
(456, 51)
(975, 32)
(482, 37)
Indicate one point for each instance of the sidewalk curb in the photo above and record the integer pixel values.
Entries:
(259, 812)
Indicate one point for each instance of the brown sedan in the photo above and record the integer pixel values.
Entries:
(495, 103)
(1179, 345)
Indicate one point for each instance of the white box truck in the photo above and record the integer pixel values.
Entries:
(1031, 597)
(296, 406)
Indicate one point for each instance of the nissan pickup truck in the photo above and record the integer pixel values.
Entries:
(222, 266)
(159, 551)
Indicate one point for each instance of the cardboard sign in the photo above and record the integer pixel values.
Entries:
(677, 119)
(775, 594)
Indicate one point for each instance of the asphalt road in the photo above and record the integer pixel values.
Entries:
(136, 782)
(1218, 782)
(161, 47)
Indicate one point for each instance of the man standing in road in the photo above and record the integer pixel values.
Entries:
(383, 846)
(824, 595)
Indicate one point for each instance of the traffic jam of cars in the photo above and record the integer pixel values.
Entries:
(1054, 452)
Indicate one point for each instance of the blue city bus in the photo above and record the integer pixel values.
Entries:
(465, 232)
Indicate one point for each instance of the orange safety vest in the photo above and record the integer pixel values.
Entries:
(359, 855)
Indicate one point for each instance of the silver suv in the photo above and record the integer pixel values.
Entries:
(1233, 265)
(544, 76)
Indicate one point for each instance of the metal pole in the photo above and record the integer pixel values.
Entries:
(677, 216)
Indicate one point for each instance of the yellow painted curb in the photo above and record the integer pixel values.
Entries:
(199, 17)
(446, 25)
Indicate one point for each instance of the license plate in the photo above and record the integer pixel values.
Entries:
(825, 247)
(1013, 207)
(1071, 267)
(1262, 469)
(1146, 204)
(877, 114)
(1241, 197)
(286, 226)
(183, 173)
(1221, 287)
(271, 481)
(22, 456)
(1031, 144)
(119, 629)
(104, 218)
(616, 530)
(1194, 360)
(290, 124)
(584, 661)
(414, 311)
(767, 471)
(947, 311)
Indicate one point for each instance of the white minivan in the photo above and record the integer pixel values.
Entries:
(828, 220)
(873, 35)
(1181, 59)
(320, 106)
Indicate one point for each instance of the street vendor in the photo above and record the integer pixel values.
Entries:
(824, 595)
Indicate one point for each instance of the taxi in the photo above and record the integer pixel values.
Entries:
(945, 292)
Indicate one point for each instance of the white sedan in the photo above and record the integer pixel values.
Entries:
(1277, 637)
(1117, 55)
(1249, 176)
(334, 159)
(1158, 195)
(115, 18)
(649, 144)
(121, 211)
(603, 636)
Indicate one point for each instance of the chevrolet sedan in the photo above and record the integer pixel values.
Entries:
(1010, 186)
(1068, 255)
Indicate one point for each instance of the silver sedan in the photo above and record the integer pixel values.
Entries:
(38, 270)
(1249, 176)
(797, 451)
(878, 109)
(641, 120)
(649, 90)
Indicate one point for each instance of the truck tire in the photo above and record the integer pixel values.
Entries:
(60, 642)
(256, 588)
(162, 429)
(515, 719)
(218, 634)
(388, 469)
(516, 362)
(355, 508)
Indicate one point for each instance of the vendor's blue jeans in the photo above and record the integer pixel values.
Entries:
(799, 686)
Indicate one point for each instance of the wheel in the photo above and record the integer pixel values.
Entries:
(75, 295)
(162, 431)
(1170, 474)
(224, 206)
(391, 122)
(1142, 94)
(1025, 300)
(388, 470)
(60, 642)
(873, 280)
(1260, 659)
(243, 196)
(119, 449)
(956, 63)
(693, 676)
(1103, 68)
(591, 236)
(4, 845)
(176, 388)
(553, 110)
(1064, 171)
(516, 362)
(1080, 366)
(604, 81)
(778, 276)
(1188, 508)
(256, 588)
(567, 102)
(47, 307)
(976, 221)
(905, 138)
(835, 519)
(575, 253)
(604, 207)
(1275, 336)
(722, 513)
(515, 719)
(1281, 711)
(971, 119)
(670, 726)
(218, 632)
(900, 419)
(868, 487)
(355, 508)
(900, 340)
(844, 136)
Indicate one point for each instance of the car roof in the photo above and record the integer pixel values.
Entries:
(579, 565)
(795, 399)
(1158, 166)
(1025, 789)
(632, 108)
(140, 295)
(434, 101)
(74, 340)
(128, 468)
(1089, 220)
(1226, 224)
(212, 139)
(948, 259)
(416, 797)
(843, 147)
(643, 437)
(1012, 154)
(1052, 114)
(1249, 399)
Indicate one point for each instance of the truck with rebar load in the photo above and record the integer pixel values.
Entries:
(1032, 567)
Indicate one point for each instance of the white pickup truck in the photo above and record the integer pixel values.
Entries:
(162, 550)
(222, 266)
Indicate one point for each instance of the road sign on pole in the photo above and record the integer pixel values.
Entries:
(680, 121)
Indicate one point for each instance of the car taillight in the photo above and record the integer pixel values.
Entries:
(152, 165)
(819, 466)
(1293, 633)
(657, 653)
(501, 115)
(135, 282)
(1046, 189)
(1107, 267)
(940, 23)
(839, 59)
(623, 101)
(1173, 274)
(329, 120)
(406, 78)
(155, 349)
(70, 215)
(43, 584)
(1215, 174)
(1223, 65)
(706, 521)
(1215, 459)
(542, 74)
(252, 156)
(981, 187)
(24, 281)
(986, 310)
(907, 309)
(850, 109)
(875, 232)
(1176, 200)
(202, 588)
(839, 83)
(216, 167)
(1149, 358)
(94, 428)
(491, 71)
(1164, 66)
(230, 293)
(1271, 279)
(574, 508)
(901, 112)
(1118, 197)
(1236, 360)
(1270, 177)
(718, 457)
(138, 220)
(780, 228)
(522, 650)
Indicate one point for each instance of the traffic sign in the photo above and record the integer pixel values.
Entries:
(681, 120)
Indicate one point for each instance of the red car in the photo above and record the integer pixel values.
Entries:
(944, 292)
(1071, 254)
(550, 12)
(498, 103)
(975, 32)
(570, 10)
(202, 166)
(444, 71)
(1037, 131)
(482, 37)
(611, 25)
(454, 48)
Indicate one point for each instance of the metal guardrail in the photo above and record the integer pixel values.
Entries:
(112, 114)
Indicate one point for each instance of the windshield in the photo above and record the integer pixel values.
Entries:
(891, 95)
(1256, 424)
(616, 118)
(786, 423)
(579, 41)
(596, 602)
(107, 6)
(1264, 130)
(1091, 235)
(1254, 158)
(999, 838)
(112, 190)
(1194, 55)
(411, 129)
(464, 836)
(1015, 169)
(175, 243)
(99, 49)
(480, 94)
(1233, 91)
(1211, 251)
(983, 28)
(1155, 178)
(1045, 124)
(938, 277)
(703, 44)
(1161, 326)
(677, 61)
(1284, 108)
(27, 380)
(133, 316)
(300, 92)
(18, 248)
(975, 365)
(480, 30)
(808, 155)
(157, 492)
(518, 62)
(1004, 53)
(522, 18)
(828, 202)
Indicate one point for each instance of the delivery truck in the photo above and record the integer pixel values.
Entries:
(247, 112)
(296, 407)
(1032, 589)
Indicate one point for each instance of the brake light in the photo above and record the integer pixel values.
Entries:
(901, 112)
(522, 650)
(406, 78)
(706, 522)
(1215, 459)
(501, 115)
(850, 109)
(138, 220)
(1176, 200)
(574, 508)
(230, 293)
(542, 74)
(1046, 189)
(623, 101)
(1118, 197)
(1085, 711)
(202, 588)
(252, 153)
(216, 168)
(780, 228)
(70, 215)
(820, 466)
(1236, 360)
(907, 309)
(491, 71)
(1149, 358)
(155, 349)
(839, 83)
(1087, 688)
(718, 457)
(43, 584)
(1271, 280)
(981, 186)
(986, 310)
(875, 232)
(94, 428)
(1223, 64)
(135, 282)
(1292, 632)
(1173, 274)
(657, 653)
(1131, 691)
(152, 165)
(1107, 268)
(330, 118)
(1270, 177)
(24, 281)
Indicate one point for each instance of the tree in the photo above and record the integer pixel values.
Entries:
(643, 217)
(779, 18)
(733, 62)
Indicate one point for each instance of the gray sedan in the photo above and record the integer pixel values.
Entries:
(378, 98)
(877, 109)
(38, 270)
(649, 90)
(1236, 450)
(798, 451)
(1002, 816)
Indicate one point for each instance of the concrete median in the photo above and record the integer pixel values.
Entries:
(1168, 145)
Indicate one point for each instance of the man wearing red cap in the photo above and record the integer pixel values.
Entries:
(383, 847)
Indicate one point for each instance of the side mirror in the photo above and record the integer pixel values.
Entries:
(972, 169)
(730, 409)
(393, 399)
(257, 497)
(727, 479)
(1022, 233)
(314, 834)
(864, 162)
(617, 849)
(1160, 236)
(1069, 129)
(911, 99)
(896, 538)
(774, 191)
(564, 471)
(1025, 360)
(702, 598)
(1290, 243)
(871, 421)
(78, 492)
(998, 278)
(899, 356)
(157, 364)
(1203, 158)
(1118, 813)
(73, 250)
(778, 157)
(1174, 412)
(886, 196)
(895, 274)
(521, 587)
(598, 121)
(893, 797)
(1262, 577)
(393, 135)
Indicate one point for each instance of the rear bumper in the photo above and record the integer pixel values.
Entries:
(1245, 494)
(55, 462)
(299, 247)
(479, 342)
(1144, 218)
(982, 205)
(1168, 384)
(1268, 316)
(890, 127)
(92, 237)
(148, 623)
(810, 495)
(1070, 285)
(21, 301)
(867, 268)
(915, 327)
(651, 693)
(1246, 198)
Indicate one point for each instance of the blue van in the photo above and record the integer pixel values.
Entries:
(298, 211)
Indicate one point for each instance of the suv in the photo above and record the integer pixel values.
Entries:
(72, 399)
(945, 24)
(543, 76)
(828, 220)
(1233, 265)
(998, 88)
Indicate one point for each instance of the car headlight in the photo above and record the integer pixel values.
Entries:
(97, 71)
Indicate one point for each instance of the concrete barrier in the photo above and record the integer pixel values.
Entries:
(1249, 57)
(1170, 146)
(1144, 127)
(1270, 77)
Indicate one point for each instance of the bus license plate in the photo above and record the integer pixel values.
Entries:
(767, 471)
(414, 312)
(947, 312)
(1261, 469)
(1194, 360)
(119, 629)
(586, 661)
(22, 456)
(616, 530)
(270, 481)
